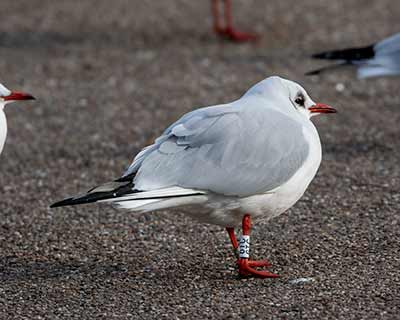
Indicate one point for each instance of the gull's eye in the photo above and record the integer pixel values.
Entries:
(300, 100)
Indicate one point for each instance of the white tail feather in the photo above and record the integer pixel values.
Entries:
(157, 204)
(158, 199)
(159, 193)
(135, 205)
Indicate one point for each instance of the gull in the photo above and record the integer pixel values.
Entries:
(246, 160)
(379, 59)
(6, 97)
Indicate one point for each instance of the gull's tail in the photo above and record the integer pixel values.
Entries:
(123, 194)
(350, 55)
(343, 57)
(106, 191)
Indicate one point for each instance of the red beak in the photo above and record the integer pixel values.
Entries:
(15, 95)
(321, 108)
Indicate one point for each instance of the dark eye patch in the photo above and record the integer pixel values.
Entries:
(300, 100)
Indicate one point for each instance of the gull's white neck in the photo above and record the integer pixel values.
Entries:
(3, 128)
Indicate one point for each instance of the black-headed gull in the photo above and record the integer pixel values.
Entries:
(379, 59)
(256, 155)
(226, 29)
(7, 96)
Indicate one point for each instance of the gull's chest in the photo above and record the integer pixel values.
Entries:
(3, 129)
(282, 198)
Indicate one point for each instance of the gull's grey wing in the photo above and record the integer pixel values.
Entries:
(388, 45)
(224, 149)
(386, 60)
(192, 123)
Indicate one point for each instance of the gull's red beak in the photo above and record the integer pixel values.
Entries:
(321, 108)
(15, 96)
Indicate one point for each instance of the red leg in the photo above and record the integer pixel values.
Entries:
(218, 28)
(246, 266)
(232, 237)
(228, 31)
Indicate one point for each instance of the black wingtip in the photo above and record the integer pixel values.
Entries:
(350, 54)
(85, 199)
(313, 72)
(106, 191)
(78, 200)
(62, 203)
(321, 55)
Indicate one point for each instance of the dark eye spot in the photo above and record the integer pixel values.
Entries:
(300, 100)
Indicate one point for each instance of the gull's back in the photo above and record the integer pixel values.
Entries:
(239, 149)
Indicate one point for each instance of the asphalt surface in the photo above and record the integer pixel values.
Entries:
(109, 77)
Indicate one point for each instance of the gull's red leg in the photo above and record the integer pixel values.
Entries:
(218, 28)
(232, 237)
(235, 245)
(228, 31)
(246, 266)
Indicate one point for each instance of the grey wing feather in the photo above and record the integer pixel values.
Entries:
(388, 45)
(386, 60)
(192, 123)
(224, 149)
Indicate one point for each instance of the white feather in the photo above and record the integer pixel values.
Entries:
(159, 193)
(3, 129)
(135, 205)
(157, 204)
(4, 91)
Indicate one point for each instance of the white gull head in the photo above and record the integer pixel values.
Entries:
(285, 91)
(7, 96)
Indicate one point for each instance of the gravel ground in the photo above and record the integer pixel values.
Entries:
(108, 79)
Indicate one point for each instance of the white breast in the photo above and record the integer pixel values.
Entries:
(282, 198)
(3, 129)
(228, 211)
